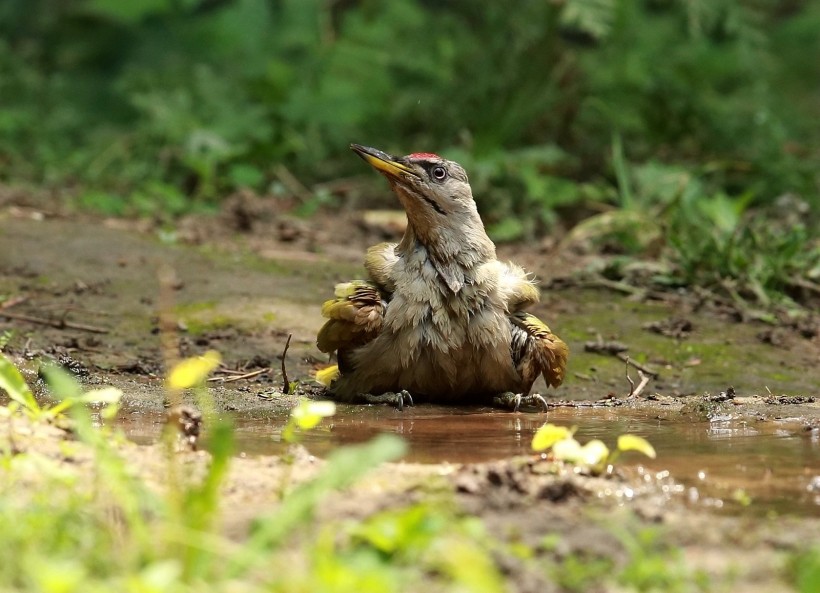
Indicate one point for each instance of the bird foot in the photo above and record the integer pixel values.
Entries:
(515, 401)
(398, 398)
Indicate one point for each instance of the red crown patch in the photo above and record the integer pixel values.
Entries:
(424, 155)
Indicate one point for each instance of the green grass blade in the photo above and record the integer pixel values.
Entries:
(12, 381)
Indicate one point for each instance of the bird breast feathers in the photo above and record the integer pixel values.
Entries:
(514, 286)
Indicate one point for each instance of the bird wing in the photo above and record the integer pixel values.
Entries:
(518, 289)
(537, 351)
(379, 263)
(354, 317)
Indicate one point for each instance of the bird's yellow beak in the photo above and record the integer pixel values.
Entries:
(382, 162)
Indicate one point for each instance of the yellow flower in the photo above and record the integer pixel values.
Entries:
(193, 371)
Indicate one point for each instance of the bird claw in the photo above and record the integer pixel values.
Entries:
(393, 398)
(514, 401)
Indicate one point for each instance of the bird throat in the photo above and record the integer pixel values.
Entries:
(452, 274)
(453, 254)
(454, 269)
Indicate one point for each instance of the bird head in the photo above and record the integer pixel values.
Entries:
(441, 212)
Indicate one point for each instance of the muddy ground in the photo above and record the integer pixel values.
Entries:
(736, 485)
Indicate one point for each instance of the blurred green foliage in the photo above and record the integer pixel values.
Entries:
(555, 108)
(804, 569)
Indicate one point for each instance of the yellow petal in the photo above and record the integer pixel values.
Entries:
(631, 442)
(567, 450)
(308, 414)
(327, 375)
(594, 453)
(549, 434)
(193, 371)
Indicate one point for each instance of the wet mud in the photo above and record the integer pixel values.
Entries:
(733, 409)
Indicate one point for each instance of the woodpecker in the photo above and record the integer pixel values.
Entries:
(440, 319)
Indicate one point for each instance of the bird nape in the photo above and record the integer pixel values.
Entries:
(440, 319)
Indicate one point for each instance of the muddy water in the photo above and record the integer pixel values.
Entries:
(734, 464)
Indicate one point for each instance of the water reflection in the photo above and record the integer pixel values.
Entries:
(775, 465)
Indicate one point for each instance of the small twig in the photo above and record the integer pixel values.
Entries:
(286, 386)
(240, 377)
(226, 371)
(601, 347)
(636, 391)
(644, 382)
(617, 349)
(9, 303)
(643, 368)
(58, 323)
(628, 378)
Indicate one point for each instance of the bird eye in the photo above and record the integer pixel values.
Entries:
(439, 173)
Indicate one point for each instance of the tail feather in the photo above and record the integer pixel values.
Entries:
(537, 351)
(354, 316)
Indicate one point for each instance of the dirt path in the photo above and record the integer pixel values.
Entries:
(242, 295)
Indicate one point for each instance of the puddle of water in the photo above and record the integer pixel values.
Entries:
(773, 464)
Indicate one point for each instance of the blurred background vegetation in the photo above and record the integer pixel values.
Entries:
(685, 129)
